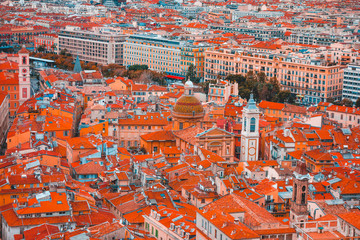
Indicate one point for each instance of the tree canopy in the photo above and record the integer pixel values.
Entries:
(191, 74)
(138, 67)
(262, 87)
(357, 103)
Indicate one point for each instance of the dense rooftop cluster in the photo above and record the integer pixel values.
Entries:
(180, 120)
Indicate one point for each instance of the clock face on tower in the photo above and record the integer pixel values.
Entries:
(252, 151)
(24, 70)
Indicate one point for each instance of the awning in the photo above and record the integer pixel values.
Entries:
(175, 77)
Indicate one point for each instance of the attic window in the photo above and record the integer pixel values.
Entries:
(59, 202)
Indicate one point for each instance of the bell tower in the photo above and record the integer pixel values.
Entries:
(298, 208)
(24, 75)
(250, 132)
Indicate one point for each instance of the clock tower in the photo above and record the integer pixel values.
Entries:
(250, 132)
(24, 75)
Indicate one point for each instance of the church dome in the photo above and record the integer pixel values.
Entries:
(188, 105)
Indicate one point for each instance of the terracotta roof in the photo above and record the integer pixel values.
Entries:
(159, 136)
(353, 218)
(271, 105)
(40, 232)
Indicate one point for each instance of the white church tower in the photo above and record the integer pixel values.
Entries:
(250, 132)
(24, 75)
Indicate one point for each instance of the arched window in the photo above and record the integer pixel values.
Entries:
(295, 192)
(303, 195)
(252, 124)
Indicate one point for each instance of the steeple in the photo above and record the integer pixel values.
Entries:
(77, 67)
(250, 132)
(298, 210)
(24, 75)
(251, 105)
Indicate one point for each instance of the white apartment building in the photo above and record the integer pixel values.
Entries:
(100, 46)
(351, 87)
(158, 53)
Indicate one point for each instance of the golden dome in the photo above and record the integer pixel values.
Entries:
(188, 104)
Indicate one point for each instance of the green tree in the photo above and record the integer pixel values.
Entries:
(357, 104)
(53, 47)
(285, 97)
(191, 74)
(205, 85)
(330, 100)
(41, 48)
(346, 102)
(240, 79)
(138, 67)
(258, 84)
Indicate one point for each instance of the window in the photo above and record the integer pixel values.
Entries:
(252, 124)
(155, 149)
(181, 126)
(202, 200)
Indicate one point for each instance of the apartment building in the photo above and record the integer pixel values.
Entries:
(194, 54)
(100, 46)
(221, 91)
(260, 33)
(158, 53)
(345, 116)
(49, 41)
(325, 39)
(311, 80)
(351, 87)
(164, 55)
